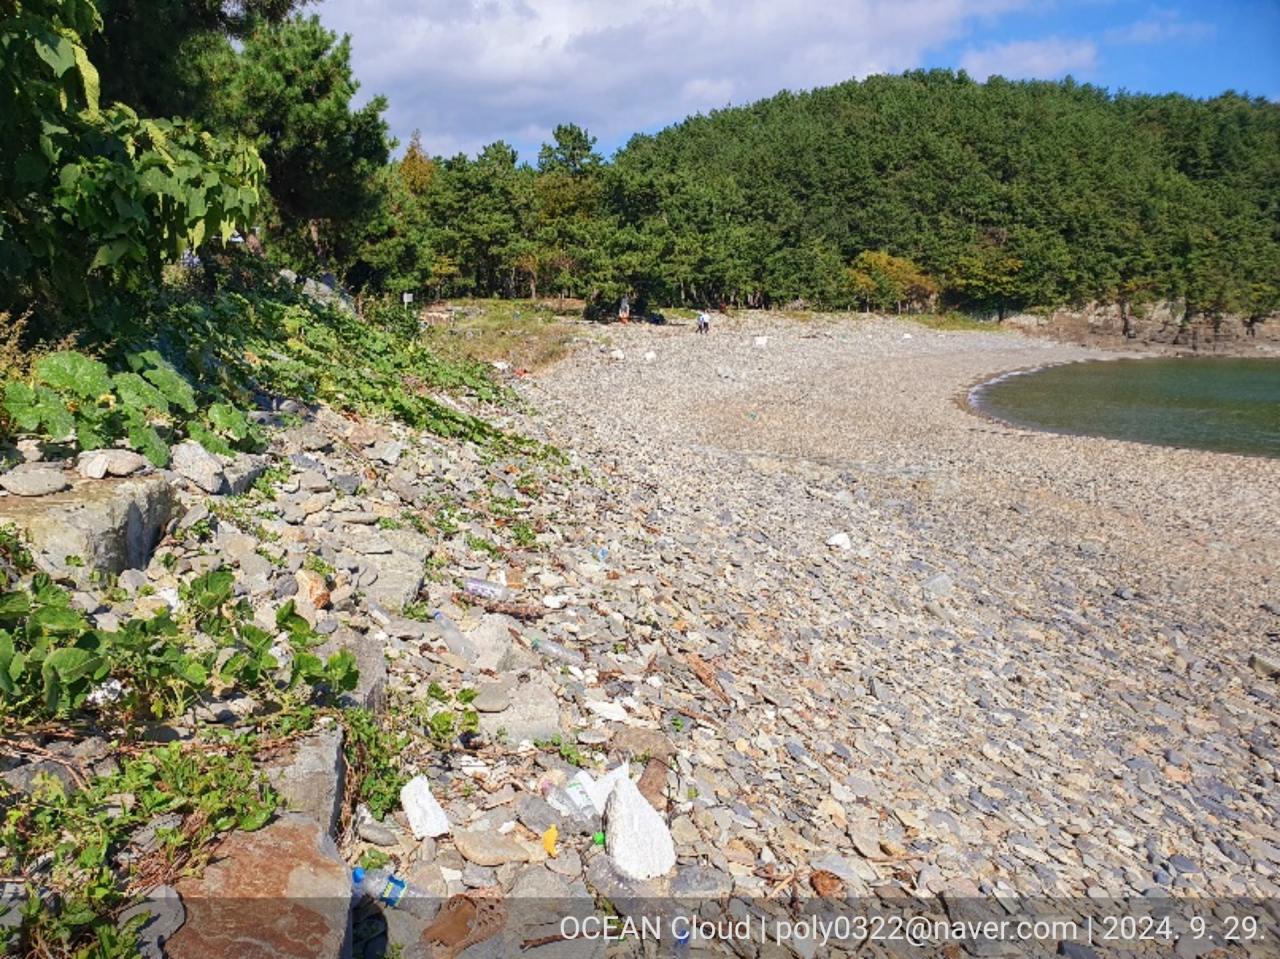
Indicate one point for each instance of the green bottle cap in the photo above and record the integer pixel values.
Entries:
(598, 839)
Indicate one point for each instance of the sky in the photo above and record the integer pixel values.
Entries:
(467, 73)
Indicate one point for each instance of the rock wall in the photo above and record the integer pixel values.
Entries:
(1154, 324)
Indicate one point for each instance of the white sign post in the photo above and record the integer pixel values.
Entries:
(407, 298)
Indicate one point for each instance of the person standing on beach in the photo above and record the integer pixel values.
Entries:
(704, 321)
(624, 311)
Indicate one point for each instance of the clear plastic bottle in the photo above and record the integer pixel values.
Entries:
(454, 638)
(571, 800)
(486, 589)
(681, 934)
(553, 650)
(380, 885)
(681, 948)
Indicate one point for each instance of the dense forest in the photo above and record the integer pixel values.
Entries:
(926, 190)
(893, 192)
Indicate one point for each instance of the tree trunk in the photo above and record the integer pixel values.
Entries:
(1125, 320)
(1184, 324)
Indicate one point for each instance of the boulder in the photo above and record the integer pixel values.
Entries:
(370, 661)
(312, 778)
(106, 525)
(96, 464)
(280, 892)
(42, 481)
(400, 569)
(242, 472)
(534, 714)
(192, 461)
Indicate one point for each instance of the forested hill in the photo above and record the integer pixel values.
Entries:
(1001, 193)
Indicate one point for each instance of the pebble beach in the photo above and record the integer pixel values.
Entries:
(1024, 661)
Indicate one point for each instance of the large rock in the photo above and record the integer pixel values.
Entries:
(34, 482)
(242, 472)
(534, 714)
(192, 461)
(277, 893)
(488, 847)
(96, 464)
(312, 779)
(370, 661)
(104, 525)
(400, 570)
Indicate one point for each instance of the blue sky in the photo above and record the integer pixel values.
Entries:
(470, 72)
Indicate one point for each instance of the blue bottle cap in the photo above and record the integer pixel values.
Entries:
(358, 874)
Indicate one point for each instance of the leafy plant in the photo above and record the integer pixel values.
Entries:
(481, 545)
(524, 535)
(78, 843)
(417, 609)
(371, 750)
(445, 715)
(148, 407)
(567, 749)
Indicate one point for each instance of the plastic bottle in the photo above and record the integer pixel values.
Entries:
(454, 638)
(681, 948)
(571, 800)
(486, 589)
(382, 885)
(553, 650)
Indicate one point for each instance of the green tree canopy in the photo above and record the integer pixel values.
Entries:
(289, 90)
(94, 200)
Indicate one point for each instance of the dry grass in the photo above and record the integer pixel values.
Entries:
(527, 334)
(20, 350)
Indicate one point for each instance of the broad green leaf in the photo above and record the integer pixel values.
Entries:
(213, 588)
(229, 419)
(55, 416)
(257, 818)
(57, 620)
(30, 408)
(48, 593)
(71, 663)
(136, 392)
(89, 77)
(111, 253)
(13, 606)
(193, 672)
(306, 665)
(7, 653)
(210, 441)
(144, 439)
(20, 402)
(171, 383)
(89, 436)
(60, 56)
(342, 670)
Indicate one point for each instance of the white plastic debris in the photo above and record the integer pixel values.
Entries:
(426, 817)
(840, 541)
(635, 834)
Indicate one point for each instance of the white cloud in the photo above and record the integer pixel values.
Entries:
(469, 72)
(1160, 30)
(1031, 59)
